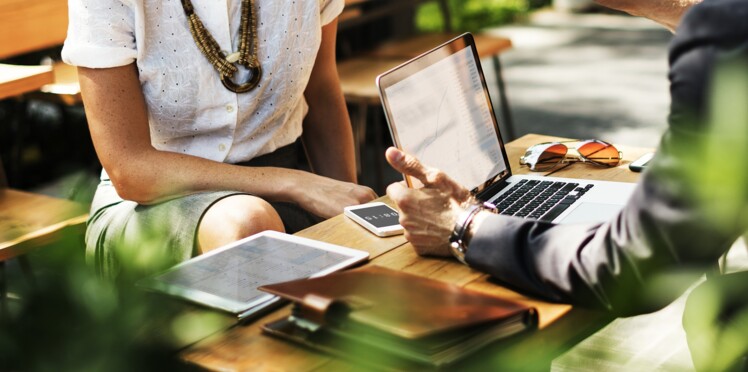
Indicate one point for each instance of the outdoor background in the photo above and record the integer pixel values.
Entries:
(587, 74)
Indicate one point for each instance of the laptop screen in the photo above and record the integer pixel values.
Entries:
(439, 110)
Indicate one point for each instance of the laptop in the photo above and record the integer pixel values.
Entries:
(438, 109)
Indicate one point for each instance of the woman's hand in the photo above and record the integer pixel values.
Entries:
(326, 197)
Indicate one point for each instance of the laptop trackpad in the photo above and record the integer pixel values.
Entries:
(591, 212)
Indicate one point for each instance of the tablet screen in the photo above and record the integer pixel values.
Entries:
(228, 278)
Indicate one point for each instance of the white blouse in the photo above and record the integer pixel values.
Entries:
(189, 109)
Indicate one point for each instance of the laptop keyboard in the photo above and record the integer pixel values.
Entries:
(540, 200)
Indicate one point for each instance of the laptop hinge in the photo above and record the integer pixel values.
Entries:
(492, 189)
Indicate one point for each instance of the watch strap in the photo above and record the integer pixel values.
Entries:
(457, 243)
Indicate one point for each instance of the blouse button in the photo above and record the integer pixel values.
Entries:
(229, 108)
(221, 147)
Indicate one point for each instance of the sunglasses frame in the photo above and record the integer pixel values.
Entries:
(523, 160)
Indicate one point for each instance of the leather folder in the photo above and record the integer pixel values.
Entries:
(381, 314)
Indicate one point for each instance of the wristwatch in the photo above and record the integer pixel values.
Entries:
(457, 242)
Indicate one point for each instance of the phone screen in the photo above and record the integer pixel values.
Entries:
(378, 215)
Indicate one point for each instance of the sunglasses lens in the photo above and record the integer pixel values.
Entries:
(600, 152)
(550, 157)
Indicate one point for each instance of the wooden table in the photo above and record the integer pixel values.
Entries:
(243, 347)
(29, 220)
(17, 80)
(27, 26)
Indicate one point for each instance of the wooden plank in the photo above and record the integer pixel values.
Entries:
(65, 87)
(358, 78)
(444, 269)
(30, 220)
(244, 348)
(16, 80)
(30, 25)
(486, 45)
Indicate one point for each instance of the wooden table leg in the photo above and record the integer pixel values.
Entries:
(379, 152)
(23, 262)
(3, 292)
(505, 114)
(18, 129)
(359, 133)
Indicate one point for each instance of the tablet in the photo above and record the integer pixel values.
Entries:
(227, 278)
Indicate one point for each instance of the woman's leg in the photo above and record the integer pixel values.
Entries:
(233, 218)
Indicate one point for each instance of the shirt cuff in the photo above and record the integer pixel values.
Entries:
(331, 10)
(97, 57)
(491, 247)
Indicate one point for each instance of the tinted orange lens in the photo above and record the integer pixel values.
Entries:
(600, 152)
(550, 157)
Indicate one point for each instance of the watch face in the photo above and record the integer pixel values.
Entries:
(379, 215)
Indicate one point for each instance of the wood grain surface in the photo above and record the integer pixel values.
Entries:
(243, 347)
(16, 80)
(30, 25)
(31, 220)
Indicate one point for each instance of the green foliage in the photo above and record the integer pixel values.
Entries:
(71, 319)
(473, 15)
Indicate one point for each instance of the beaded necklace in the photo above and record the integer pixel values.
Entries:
(225, 64)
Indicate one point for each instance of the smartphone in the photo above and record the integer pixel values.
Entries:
(379, 218)
(638, 165)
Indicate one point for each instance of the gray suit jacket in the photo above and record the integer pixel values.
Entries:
(673, 228)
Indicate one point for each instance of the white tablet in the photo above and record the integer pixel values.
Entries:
(227, 278)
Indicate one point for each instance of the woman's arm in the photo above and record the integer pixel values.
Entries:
(117, 116)
(328, 137)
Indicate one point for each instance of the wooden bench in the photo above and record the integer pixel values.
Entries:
(16, 80)
(29, 220)
(29, 26)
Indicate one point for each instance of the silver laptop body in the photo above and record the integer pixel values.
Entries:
(438, 108)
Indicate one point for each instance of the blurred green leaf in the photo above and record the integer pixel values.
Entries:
(473, 15)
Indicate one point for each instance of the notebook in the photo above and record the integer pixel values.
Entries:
(374, 314)
(227, 278)
(438, 108)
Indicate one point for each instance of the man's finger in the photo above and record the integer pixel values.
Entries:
(406, 199)
(396, 191)
(406, 164)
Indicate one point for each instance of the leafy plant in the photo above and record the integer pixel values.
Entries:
(70, 319)
(473, 15)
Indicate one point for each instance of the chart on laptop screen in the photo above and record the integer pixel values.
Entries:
(443, 118)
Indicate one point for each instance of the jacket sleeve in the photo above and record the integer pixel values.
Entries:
(667, 235)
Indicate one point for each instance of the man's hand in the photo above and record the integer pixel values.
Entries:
(665, 12)
(427, 214)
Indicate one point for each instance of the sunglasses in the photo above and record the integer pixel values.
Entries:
(548, 155)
